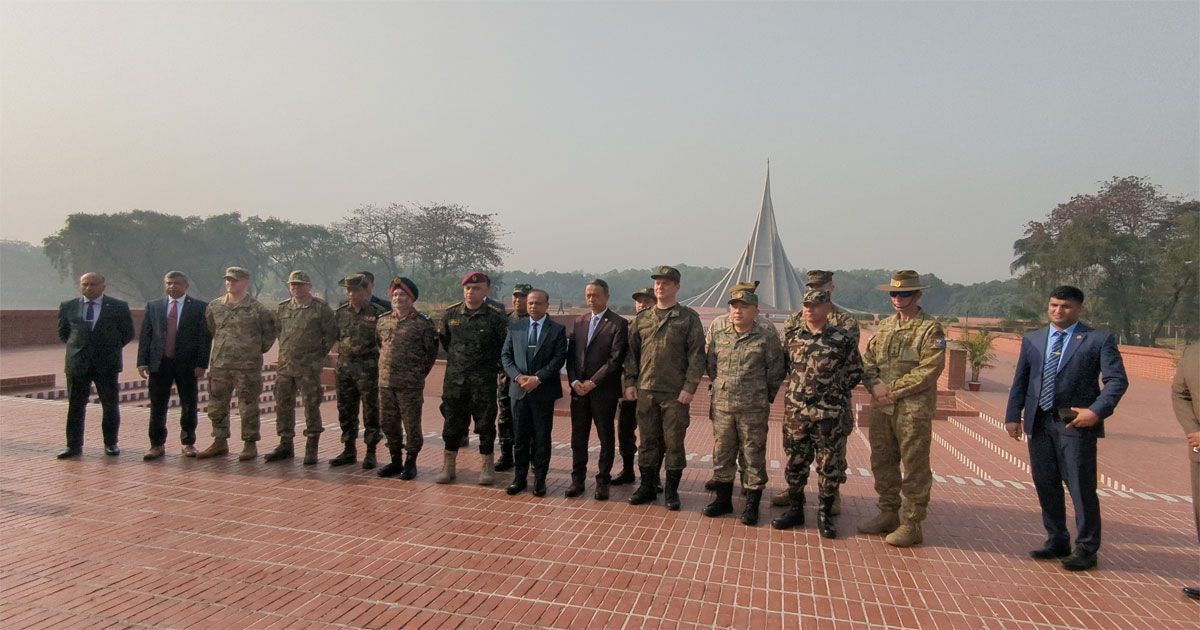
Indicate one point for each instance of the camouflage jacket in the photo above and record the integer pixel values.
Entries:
(843, 320)
(306, 334)
(241, 332)
(907, 357)
(666, 350)
(407, 349)
(721, 321)
(472, 339)
(357, 338)
(746, 369)
(824, 368)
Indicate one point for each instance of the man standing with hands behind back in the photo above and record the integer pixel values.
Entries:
(1185, 388)
(1056, 386)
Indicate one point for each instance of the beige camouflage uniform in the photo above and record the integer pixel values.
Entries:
(407, 350)
(242, 332)
(306, 334)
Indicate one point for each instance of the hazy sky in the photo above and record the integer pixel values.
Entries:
(606, 135)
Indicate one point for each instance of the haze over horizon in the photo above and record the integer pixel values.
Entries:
(900, 135)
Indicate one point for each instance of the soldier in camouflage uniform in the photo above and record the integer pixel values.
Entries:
(662, 370)
(242, 330)
(472, 332)
(307, 331)
(825, 366)
(408, 344)
(627, 414)
(504, 423)
(901, 365)
(357, 370)
(819, 279)
(746, 367)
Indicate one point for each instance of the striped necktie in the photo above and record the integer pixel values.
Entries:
(1050, 371)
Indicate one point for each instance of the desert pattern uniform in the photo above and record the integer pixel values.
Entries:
(473, 339)
(242, 333)
(306, 334)
(358, 373)
(407, 350)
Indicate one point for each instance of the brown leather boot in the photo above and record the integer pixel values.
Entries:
(220, 446)
(249, 451)
(882, 523)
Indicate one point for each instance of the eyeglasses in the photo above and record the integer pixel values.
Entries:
(902, 294)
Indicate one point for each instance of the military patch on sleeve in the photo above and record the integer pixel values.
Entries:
(941, 343)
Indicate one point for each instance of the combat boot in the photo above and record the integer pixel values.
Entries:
(750, 513)
(836, 508)
(369, 458)
(348, 456)
(723, 504)
(410, 467)
(825, 518)
(711, 484)
(645, 492)
(782, 498)
(506, 458)
(794, 517)
(487, 470)
(882, 523)
(671, 490)
(285, 450)
(249, 451)
(310, 449)
(907, 535)
(394, 467)
(449, 463)
(220, 446)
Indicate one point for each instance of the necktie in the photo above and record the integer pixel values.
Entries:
(592, 328)
(532, 349)
(1050, 371)
(172, 324)
(91, 314)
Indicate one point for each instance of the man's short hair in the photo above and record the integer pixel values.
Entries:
(177, 275)
(1067, 292)
(542, 291)
(370, 276)
(600, 283)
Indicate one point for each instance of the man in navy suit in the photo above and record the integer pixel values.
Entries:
(173, 349)
(596, 348)
(95, 328)
(1057, 388)
(534, 352)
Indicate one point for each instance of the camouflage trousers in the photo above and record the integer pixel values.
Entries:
(400, 409)
(822, 440)
(662, 423)
(306, 380)
(504, 421)
(900, 440)
(358, 384)
(740, 437)
(222, 382)
(461, 402)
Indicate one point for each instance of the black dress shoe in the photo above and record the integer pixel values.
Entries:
(539, 487)
(1079, 561)
(516, 486)
(112, 451)
(575, 490)
(1050, 552)
(1192, 592)
(69, 453)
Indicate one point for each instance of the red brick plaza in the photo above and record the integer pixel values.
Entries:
(104, 541)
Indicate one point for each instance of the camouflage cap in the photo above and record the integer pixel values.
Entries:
(817, 296)
(299, 277)
(745, 297)
(237, 273)
(476, 276)
(522, 289)
(744, 286)
(354, 281)
(818, 278)
(666, 273)
(905, 280)
(644, 292)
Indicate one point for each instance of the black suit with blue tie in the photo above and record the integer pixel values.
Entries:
(533, 411)
(1054, 373)
(95, 334)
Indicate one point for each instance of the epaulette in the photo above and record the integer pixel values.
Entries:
(454, 305)
(379, 309)
(317, 299)
(342, 306)
(496, 307)
(424, 316)
(285, 301)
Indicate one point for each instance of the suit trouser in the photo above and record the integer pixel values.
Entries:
(184, 379)
(533, 421)
(504, 419)
(627, 431)
(1059, 455)
(79, 390)
(586, 411)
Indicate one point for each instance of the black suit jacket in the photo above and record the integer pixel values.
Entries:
(602, 360)
(95, 349)
(193, 343)
(547, 360)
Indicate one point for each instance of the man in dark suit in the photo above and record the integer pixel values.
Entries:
(1057, 388)
(596, 347)
(173, 349)
(95, 328)
(534, 352)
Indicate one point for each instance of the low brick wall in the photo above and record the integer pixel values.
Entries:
(24, 328)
